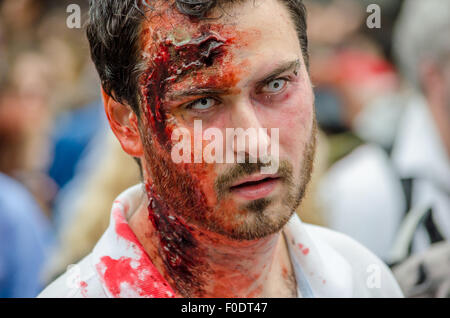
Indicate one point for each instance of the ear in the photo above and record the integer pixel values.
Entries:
(124, 124)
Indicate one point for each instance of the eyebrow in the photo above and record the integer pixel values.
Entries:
(292, 65)
(213, 91)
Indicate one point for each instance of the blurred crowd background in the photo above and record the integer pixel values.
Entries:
(382, 172)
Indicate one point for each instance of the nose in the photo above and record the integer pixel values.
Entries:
(248, 137)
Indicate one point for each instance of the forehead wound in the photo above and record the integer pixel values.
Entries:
(183, 56)
(171, 59)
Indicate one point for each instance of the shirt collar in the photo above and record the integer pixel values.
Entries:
(119, 258)
(125, 269)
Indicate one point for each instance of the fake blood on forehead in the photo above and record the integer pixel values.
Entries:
(171, 62)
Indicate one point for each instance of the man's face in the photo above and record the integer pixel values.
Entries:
(243, 70)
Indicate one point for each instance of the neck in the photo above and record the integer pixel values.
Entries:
(200, 263)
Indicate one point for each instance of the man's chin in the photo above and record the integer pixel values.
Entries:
(257, 220)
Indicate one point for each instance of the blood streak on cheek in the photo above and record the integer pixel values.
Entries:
(178, 244)
(190, 184)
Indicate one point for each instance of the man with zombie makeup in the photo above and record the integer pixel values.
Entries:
(202, 228)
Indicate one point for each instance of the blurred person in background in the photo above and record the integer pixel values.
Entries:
(352, 73)
(355, 83)
(403, 191)
(26, 236)
(64, 85)
(44, 77)
(79, 121)
(354, 80)
(29, 75)
(25, 231)
(75, 99)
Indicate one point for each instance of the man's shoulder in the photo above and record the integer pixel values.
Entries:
(371, 276)
(79, 281)
(346, 246)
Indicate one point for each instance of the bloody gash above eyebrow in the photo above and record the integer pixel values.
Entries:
(171, 62)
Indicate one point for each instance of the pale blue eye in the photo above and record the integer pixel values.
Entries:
(202, 104)
(275, 85)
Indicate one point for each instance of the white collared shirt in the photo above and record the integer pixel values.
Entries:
(326, 263)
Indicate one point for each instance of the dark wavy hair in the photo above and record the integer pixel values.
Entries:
(113, 32)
